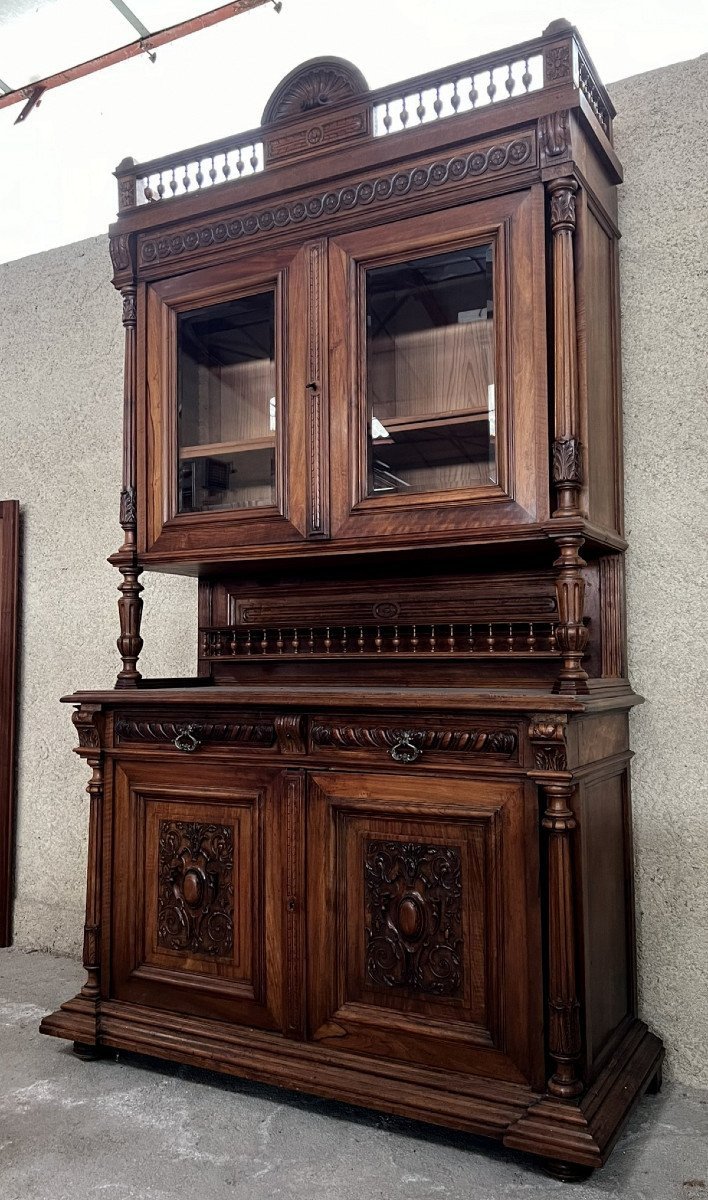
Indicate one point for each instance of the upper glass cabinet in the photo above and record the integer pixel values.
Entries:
(430, 373)
(227, 405)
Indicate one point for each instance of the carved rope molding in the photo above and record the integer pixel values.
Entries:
(259, 733)
(451, 741)
(418, 179)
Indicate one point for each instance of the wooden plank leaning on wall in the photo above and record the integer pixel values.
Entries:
(9, 581)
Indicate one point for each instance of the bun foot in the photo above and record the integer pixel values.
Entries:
(655, 1083)
(567, 1172)
(88, 1052)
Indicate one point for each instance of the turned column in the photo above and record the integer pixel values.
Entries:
(130, 605)
(547, 733)
(567, 454)
(571, 632)
(90, 748)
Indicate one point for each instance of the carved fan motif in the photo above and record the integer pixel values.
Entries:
(315, 85)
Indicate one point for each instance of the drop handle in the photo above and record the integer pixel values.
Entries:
(407, 748)
(187, 740)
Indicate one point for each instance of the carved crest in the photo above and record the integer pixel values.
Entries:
(314, 85)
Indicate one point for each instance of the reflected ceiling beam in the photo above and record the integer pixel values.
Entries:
(131, 18)
(38, 87)
(5, 87)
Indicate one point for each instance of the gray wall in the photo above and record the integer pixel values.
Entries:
(60, 412)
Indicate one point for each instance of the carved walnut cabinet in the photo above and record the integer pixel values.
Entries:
(380, 846)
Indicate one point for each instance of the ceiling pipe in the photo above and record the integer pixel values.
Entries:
(36, 89)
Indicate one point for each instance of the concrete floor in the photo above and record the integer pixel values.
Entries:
(146, 1131)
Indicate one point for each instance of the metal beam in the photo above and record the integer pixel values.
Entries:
(131, 18)
(5, 87)
(161, 38)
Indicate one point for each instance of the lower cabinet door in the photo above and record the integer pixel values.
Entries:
(424, 937)
(197, 903)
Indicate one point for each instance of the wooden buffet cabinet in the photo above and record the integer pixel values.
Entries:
(379, 849)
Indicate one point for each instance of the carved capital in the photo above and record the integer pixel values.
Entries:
(84, 721)
(554, 133)
(562, 192)
(128, 508)
(126, 192)
(547, 735)
(567, 461)
(119, 247)
(129, 306)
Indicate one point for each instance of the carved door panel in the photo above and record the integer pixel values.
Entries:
(227, 414)
(198, 918)
(438, 373)
(424, 928)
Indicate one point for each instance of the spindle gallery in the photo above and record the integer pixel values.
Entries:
(379, 848)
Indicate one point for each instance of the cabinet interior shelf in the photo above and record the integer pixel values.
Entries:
(413, 423)
(218, 448)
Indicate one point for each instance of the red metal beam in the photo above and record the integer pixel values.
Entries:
(161, 38)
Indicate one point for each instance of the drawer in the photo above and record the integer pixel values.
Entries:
(193, 732)
(405, 739)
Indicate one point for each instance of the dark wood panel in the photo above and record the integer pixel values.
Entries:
(9, 592)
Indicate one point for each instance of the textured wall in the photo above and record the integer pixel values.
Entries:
(662, 141)
(60, 404)
(61, 363)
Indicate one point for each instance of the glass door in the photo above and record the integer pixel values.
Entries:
(438, 377)
(430, 372)
(225, 401)
(227, 406)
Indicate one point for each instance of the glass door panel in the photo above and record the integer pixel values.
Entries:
(227, 405)
(430, 373)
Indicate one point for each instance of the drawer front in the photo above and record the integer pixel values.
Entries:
(194, 732)
(405, 739)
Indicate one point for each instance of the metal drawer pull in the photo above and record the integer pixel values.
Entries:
(186, 739)
(405, 749)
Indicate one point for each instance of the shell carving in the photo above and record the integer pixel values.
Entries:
(318, 84)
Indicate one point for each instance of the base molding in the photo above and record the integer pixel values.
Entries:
(580, 1133)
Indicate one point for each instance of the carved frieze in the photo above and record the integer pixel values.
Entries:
(413, 935)
(195, 907)
(495, 159)
(320, 134)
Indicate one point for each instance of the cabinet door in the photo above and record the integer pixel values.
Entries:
(197, 908)
(225, 373)
(424, 935)
(438, 373)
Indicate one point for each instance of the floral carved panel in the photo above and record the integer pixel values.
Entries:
(195, 906)
(413, 930)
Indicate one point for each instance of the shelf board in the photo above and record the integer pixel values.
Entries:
(436, 421)
(220, 448)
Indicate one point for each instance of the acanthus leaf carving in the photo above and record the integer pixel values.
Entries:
(413, 933)
(119, 248)
(128, 508)
(567, 461)
(563, 208)
(547, 736)
(84, 721)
